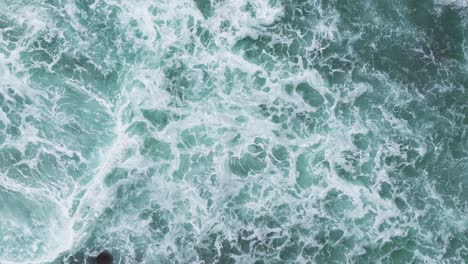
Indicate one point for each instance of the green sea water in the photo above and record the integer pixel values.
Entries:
(234, 131)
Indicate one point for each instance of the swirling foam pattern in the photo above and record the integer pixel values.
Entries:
(234, 131)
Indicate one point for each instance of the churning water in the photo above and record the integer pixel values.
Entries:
(234, 131)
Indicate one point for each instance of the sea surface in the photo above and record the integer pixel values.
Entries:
(234, 131)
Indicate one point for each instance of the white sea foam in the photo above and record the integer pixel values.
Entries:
(187, 89)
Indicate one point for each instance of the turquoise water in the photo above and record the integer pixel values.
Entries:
(234, 131)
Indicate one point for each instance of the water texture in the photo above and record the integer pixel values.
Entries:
(234, 131)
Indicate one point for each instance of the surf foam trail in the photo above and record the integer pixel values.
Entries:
(234, 131)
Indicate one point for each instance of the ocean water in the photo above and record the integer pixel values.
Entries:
(234, 131)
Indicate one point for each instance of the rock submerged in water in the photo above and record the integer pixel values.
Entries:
(104, 257)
